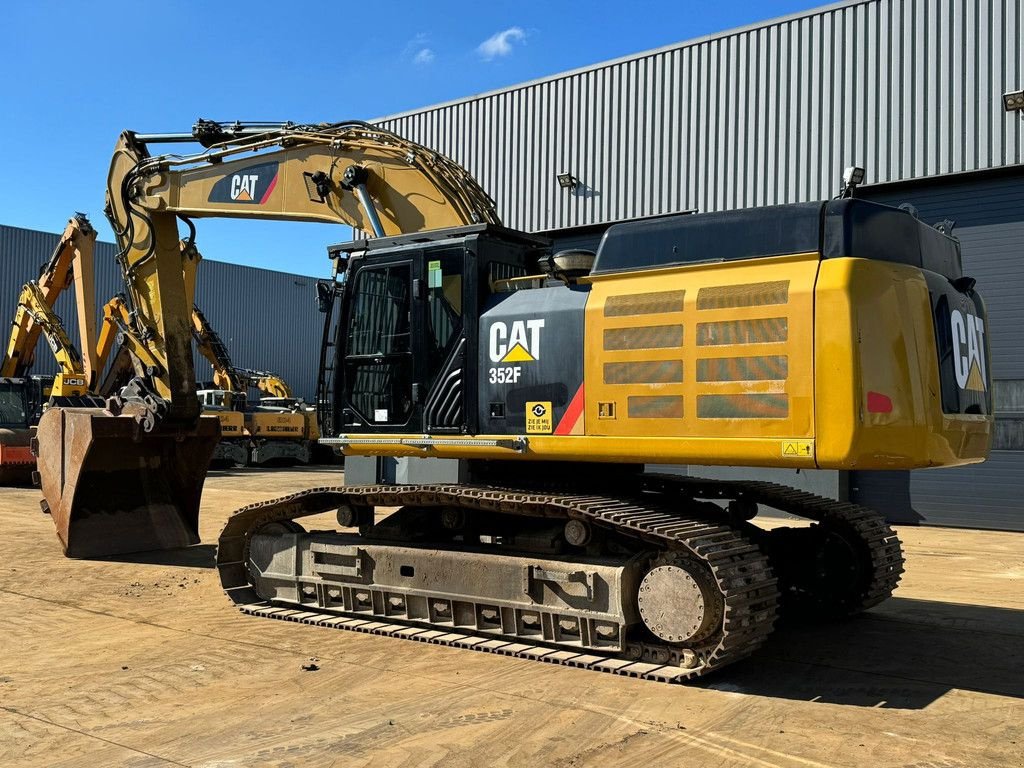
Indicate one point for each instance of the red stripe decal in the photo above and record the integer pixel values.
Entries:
(266, 195)
(572, 414)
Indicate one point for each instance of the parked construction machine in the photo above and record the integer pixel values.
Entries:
(839, 334)
(22, 395)
(273, 430)
(277, 395)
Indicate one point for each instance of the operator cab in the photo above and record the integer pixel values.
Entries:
(16, 411)
(410, 326)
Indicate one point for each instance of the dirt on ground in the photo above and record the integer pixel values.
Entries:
(141, 661)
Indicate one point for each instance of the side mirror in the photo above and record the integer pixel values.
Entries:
(326, 290)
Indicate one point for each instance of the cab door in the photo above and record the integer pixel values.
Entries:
(407, 347)
(380, 370)
(444, 341)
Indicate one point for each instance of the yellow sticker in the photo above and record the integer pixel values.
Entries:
(538, 418)
(798, 449)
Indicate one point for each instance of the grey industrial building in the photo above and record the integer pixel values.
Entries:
(771, 113)
(231, 296)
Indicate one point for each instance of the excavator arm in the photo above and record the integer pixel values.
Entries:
(72, 379)
(71, 262)
(152, 446)
(349, 173)
(210, 346)
(270, 384)
(226, 375)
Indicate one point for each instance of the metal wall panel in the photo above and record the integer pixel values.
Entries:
(980, 496)
(989, 216)
(765, 114)
(268, 319)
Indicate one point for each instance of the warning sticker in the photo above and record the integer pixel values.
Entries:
(538, 418)
(798, 449)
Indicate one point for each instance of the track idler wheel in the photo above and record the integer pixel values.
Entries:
(824, 570)
(679, 601)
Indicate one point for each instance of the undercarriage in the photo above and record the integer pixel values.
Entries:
(667, 581)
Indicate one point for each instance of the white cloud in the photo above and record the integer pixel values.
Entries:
(423, 56)
(500, 43)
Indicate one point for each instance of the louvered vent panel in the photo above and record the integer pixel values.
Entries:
(744, 295)
(644, 303)
(645, 372)
(652, 337)
(660, 407)
(742, 406)
(758, 331)
(766, 368)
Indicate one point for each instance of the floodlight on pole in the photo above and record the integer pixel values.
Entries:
(567, 181)
(853, 177)
(1014, 102)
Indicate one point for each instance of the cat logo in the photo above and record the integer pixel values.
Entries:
(968, 350)
(251, 185)
(243, 187)
(518, 344)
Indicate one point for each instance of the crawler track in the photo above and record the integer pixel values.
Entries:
(659, 516)
(882, 552)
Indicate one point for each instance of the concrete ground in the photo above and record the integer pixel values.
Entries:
(142, 662)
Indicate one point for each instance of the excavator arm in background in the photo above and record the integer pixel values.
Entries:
(349, 173)
(72, 380)
(210, 346)
(71, 262)
(270, 384)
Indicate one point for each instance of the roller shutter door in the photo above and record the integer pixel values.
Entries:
(989, 216)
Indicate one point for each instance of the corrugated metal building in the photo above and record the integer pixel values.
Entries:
(772, 113)
(232, 298)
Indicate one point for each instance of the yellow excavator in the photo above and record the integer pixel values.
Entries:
(227, 401)
(277, 394)
(273, 430)
(22, 395)
(839, 334)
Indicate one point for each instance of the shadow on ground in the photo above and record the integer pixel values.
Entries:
(291, 468)
(199, 556)
(904, 654)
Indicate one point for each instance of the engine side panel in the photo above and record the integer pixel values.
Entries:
(716, 350)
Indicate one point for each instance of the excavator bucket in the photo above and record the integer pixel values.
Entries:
(113, 489)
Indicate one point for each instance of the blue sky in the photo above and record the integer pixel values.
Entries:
(75, 74)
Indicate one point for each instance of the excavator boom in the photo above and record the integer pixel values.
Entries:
(21, 396)
(71, 262)
(129, 478)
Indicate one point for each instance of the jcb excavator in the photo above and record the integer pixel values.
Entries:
(22, 395)
(840, 334)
